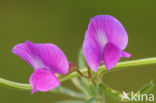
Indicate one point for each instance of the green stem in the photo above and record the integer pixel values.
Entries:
(15, 84)
(29, 87)
(119, 66)
(102, 68)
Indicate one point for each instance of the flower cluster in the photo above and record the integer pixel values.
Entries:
(105, 40)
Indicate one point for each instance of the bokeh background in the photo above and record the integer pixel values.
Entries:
(64, 22)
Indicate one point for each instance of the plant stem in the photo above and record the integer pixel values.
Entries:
(120, 65)
(15, 84)
(83, 75)
(102, 69)
(89, 73)
(29, 87)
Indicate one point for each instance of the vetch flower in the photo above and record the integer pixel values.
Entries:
(46, 59)
(105, 40)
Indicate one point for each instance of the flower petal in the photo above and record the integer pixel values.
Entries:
(111, 56)
(24, 52)
(126, 54)
(43, 80)
(43, 56)
(92, 52)
(107, 28)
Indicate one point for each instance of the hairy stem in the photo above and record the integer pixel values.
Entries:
(101, 69)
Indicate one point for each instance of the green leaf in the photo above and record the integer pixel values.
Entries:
(81, 60)
(70, 101)
(91, 88)
(79, 85)
(109, 92)
(68, 91)
(91, 100)
(147, 88)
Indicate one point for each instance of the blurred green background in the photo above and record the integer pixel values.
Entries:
(64, 22)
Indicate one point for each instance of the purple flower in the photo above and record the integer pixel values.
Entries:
(46, 59)
(105, 40)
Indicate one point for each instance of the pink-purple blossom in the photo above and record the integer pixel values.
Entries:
(105, 40)
(47, 60)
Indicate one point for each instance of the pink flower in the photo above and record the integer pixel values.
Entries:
(105, 40)
(46, 59)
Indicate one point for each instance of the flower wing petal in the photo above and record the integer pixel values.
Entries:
(111, 56)
(126, 54)
(43, 80)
